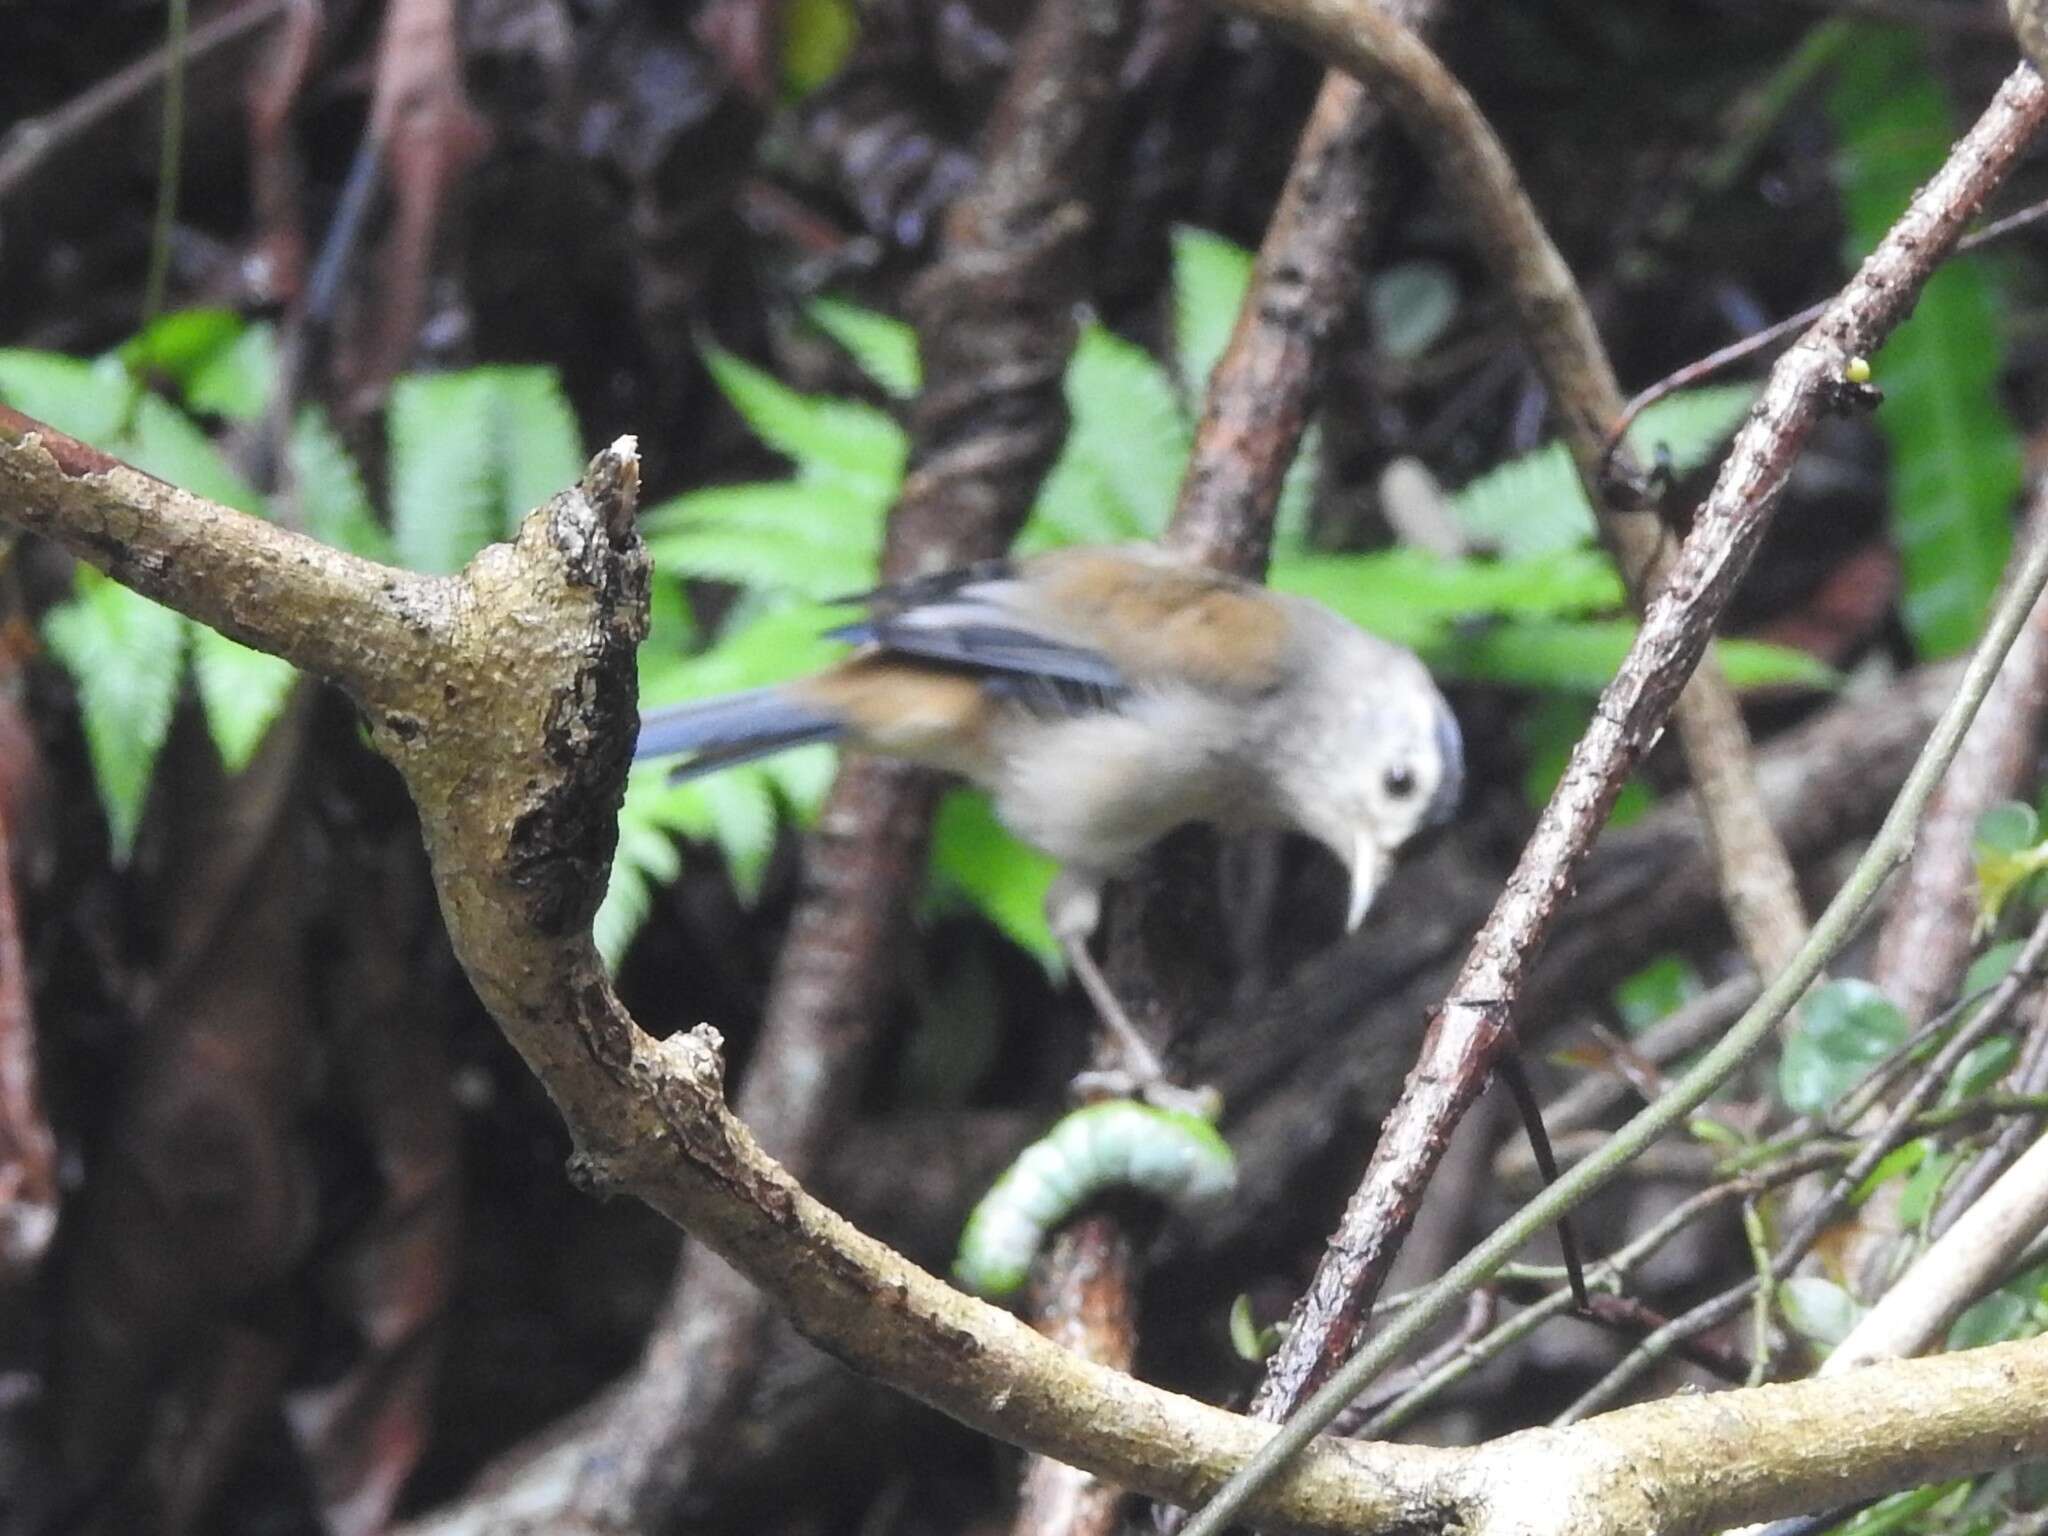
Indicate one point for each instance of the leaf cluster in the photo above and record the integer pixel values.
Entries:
(470, 454)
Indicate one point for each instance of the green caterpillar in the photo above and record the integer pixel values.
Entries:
(1170, 1154)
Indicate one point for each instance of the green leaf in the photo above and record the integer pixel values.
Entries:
(824, 437)
(217, 361)
(973, 853)
(241, 693)
(179, 345)
(741, 807)
(1210, 278)
(1657, 991)
(1980, 1068)
(1955, 457)
(1898, 1163)
(537, 447)
(167, 443)
(1412, 304)
(2003, 870)
(1296, 507)
(1916, 1200)
(1528, 506)
(1534, 505)
(1818, 1309)
(734, 809)
(1688, 428)
(817, 37)
(646, 859)
(1413, 598)
(443, 501)
(88, 401)
(1128, 425)
(772, 646)
(1076, 505)
(1583, 657)
(813, 539)
(1990, 968)
(1715, 1134)
(332, 503)
(236, 381)
(2004, 1314)
(2008, 828)
(1251, 1342)
(885, 348)
(1845, 1027)
(471, 454)
(126, 656)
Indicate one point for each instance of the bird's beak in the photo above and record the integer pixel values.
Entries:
(1368, 870)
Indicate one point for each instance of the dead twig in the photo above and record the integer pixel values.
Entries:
(1085, 1301)
(28, 1149)
(1925, 946)
(1257, 403)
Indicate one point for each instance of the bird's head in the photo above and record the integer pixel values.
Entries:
(1369, 754)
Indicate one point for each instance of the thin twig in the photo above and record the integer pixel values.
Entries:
(29, 1190)
(170, 161)
(2029, 1080)
(1693, 1024)
(1872, 1149)
(1967, 1261)
(29, 145)
(1258, 401)
(1611, 1273)
(1724, 358)
(1841, 919)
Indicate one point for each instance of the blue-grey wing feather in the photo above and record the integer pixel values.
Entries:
(987, 647)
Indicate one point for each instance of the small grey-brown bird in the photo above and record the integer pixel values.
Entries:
(1104, 697)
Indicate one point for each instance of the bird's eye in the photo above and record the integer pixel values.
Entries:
(1400, 781)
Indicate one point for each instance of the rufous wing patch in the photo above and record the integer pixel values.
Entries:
(902, 707)
(1161, 621)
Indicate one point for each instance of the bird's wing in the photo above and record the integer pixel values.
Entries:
(980, 619)
(1100, 620)
(1163, 621)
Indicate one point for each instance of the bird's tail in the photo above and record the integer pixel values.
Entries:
(734, 729)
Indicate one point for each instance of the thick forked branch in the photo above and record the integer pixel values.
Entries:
(506, 702)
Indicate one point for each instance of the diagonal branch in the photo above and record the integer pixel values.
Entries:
(1477, 1020)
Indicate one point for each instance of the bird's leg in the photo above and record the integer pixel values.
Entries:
(1073, 908)
(1141, 1063)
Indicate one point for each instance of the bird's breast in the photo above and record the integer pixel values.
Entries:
(1095, 789)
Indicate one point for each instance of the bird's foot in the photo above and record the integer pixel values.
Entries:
(1101, 1083)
